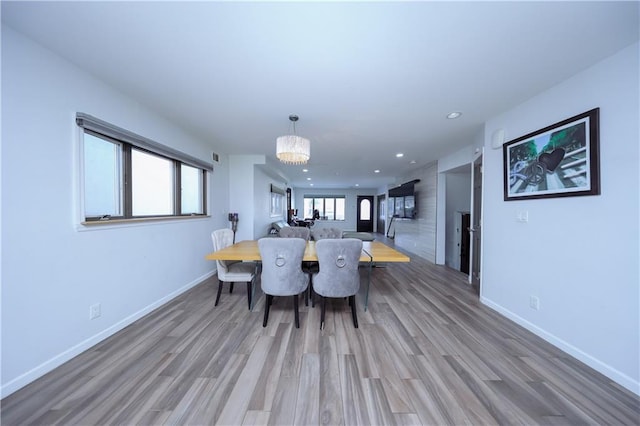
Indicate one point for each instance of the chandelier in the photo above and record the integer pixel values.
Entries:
(293, 149)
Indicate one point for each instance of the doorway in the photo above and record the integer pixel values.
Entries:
(476, 229)
(382, 213)
(465, 241)
(364, 222)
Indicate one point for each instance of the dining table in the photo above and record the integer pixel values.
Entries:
(373, 252)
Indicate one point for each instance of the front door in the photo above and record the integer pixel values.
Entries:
(365, 213)
(477, 223)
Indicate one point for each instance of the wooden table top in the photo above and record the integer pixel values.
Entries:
(248, 250)
(381, 252)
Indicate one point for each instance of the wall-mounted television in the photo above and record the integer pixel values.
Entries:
(402, 200)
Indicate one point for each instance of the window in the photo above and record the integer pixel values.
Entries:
(329, 207)
(151, 184)
(102, 177)
(126, 176)
(365, 210)
(192, 190)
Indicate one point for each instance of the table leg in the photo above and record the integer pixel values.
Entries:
(366, 295)
(253, 285)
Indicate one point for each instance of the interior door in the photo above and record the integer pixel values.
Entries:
(382, 213)
(464, 242)
(477, 223)
(365, 213)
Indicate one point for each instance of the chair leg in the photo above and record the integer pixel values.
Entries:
(352, 302)
(322, 308)
(231, 287)
(267, 304)
(306, 293)
(219, 291)
(295, 309)
(249, 294)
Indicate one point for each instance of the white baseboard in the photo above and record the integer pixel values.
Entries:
(615, 375)
(47, 366)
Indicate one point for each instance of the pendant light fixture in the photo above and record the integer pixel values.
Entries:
(293, 149)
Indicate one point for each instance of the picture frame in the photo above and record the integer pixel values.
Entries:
(561, 160)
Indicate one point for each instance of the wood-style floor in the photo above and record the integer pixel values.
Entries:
(426, 352)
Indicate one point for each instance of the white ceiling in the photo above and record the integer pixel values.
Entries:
(368, 79)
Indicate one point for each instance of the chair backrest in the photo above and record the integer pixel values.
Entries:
(222, 238)
(338, 260)
(279, 225)
(323, 233)
(282, 273)
(295, 232)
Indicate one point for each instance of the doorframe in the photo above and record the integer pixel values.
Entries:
(381, 213)
(478, 156)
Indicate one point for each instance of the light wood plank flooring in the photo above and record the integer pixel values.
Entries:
(426, 352)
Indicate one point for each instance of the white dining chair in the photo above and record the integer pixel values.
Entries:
(231, 271)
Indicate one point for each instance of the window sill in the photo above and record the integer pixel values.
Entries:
(146, 221)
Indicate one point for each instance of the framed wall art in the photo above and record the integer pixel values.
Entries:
(560, 160)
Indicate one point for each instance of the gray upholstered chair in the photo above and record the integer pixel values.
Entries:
(229, 270)
(339, 276)
(320, 234)
(282, 273)
(305, 234)
(323, 233)
(295, 232)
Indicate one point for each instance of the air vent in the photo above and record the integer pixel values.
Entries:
(215, 157)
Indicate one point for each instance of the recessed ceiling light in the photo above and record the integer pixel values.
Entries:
(308, 178)
(376, 171)
(357, 184)
(310, 184)
(453, 115)
(412, 162)
(305, 170)
(399, 155)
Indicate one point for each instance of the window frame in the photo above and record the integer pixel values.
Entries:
(323, 210)
(127, 141)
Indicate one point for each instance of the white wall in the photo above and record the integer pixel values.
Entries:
(579, 255)
(51, 271)
(241, 199)
(262, 195)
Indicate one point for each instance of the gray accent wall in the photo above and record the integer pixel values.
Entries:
(418, 235)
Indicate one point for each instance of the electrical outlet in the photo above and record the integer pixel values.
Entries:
(522, 216)
(534, 303)
(95, 311)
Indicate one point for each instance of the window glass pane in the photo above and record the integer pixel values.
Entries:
(365, 210)
(191, 195)
(308, 208)
(409, 205)
(329, 208)
(339, 208)
(318, 204)
(102, 177)
(399, 207)
(152, 184)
